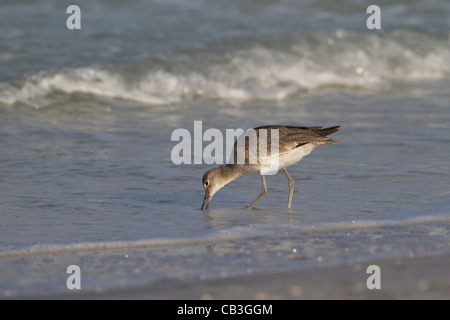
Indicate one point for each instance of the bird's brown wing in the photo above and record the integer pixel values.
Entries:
(290, 137)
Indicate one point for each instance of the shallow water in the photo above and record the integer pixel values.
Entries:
(86, 124)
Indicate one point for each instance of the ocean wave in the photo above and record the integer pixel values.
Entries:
(269, 71)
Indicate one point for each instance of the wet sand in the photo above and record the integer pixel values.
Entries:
(409, 278)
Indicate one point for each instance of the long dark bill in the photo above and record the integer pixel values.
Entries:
(206, 201)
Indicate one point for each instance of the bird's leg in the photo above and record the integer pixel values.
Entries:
(263, 192)
(291, 187)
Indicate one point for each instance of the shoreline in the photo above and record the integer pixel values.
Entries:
(405, 278)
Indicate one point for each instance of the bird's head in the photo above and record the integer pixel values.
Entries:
(215, 179)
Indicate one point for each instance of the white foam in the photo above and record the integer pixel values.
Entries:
(230, 234)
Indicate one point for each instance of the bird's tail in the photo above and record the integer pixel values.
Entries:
(330, 130)
(326, 132)
(331, 141)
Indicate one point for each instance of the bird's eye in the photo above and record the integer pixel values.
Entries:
(206, 183)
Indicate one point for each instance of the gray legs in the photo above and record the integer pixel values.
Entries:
(263, 192)
(291, 187)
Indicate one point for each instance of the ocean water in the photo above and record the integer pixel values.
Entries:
(86, 118)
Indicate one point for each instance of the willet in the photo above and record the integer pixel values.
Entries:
(293, 144)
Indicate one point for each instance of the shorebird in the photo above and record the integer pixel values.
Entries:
(293, 144)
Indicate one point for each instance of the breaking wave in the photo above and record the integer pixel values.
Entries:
(276, 70)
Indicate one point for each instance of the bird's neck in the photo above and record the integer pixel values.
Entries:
(230, 173)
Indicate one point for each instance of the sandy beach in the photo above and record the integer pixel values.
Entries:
(260, 268)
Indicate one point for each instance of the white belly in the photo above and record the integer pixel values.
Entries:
(294, 156)
(270, 165)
